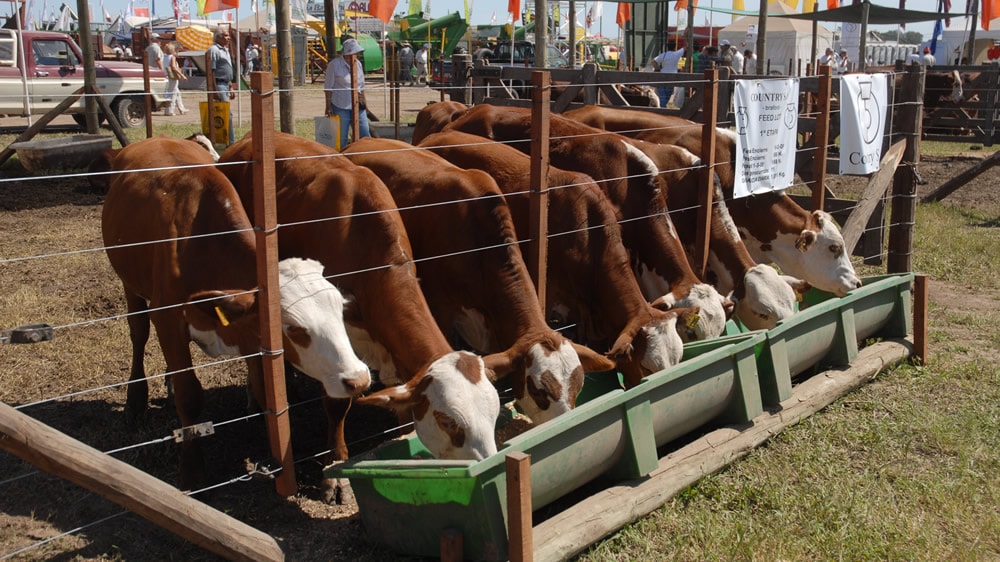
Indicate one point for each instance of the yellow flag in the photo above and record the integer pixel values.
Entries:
(793, 4)
(808, 6)
(737, 5)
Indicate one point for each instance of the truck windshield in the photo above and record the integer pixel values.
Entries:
(53, 53)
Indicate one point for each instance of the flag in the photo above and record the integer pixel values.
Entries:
(594, 14)
(832, 4)
(142, 12)
(381, 9)
(414, 7)
(738, 5)
(177, 11)
(514, 7)
(991, 9)
(809, 6)
(793, 4)
(209, 6)
(624, 13)
(493, 18)
(683, 5)
(947, 8)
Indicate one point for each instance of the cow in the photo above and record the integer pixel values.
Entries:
(343, 216)
(590, 283)
(632, 184)
(434, 116)
(805, 245)
(179, 240)
(98, 171)
(473, 276)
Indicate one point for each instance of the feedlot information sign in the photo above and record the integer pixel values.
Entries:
(766, 125)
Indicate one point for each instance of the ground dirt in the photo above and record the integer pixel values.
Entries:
(75, 290)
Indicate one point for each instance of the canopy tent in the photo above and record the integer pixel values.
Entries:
(787, 39)
(256, 22)
(956, 37)
(878, 15)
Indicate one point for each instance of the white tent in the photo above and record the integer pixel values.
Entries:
(955, 38)
(787, 39)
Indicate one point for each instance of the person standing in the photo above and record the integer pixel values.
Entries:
(928, 58)
(423, 56)
(154, 53)
(667, 62)
(222, 70)
(843, 62)
(252, 56)
(828, 58)
(749, 62)
(337, 87)
(174, 77)
(737, 59)
(406, 63)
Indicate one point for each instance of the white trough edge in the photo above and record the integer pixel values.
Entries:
(576, 528)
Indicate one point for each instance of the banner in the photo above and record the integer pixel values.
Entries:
(767, 121)
(863, 100)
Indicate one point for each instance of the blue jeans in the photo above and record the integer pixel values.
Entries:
(364, 130)
(664, 92)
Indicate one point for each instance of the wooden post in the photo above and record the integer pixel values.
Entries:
(89, 69)
(148, 98)
(920, 319)
(705, 194)
(166, 506)
(268, 300)
(519, 527)
(210, 88)
(904, 184)
(822, 137)
(355, 116)
(538, 250)
(452, 545)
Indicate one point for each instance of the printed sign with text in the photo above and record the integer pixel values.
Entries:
(767, 121)
(863, 99)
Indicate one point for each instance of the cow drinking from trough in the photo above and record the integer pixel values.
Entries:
(183, 247)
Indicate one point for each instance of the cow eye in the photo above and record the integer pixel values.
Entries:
(836, 249)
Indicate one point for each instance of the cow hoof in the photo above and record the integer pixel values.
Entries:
(337, 491)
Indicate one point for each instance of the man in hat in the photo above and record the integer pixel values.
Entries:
(406, 63)
(154, 53)
(423, 57)
(928, 58)
(337, 87)
(725, 54)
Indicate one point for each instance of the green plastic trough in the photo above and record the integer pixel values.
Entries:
(406, 501)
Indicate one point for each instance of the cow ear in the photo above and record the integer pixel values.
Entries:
(805, 240)
(591, 361)
(226, 307)
(399, 397)
(352, 312)
(798, 285)
(498, 365)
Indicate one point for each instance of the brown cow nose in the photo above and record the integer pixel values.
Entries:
(358, 383)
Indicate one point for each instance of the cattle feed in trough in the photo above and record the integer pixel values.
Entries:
(176, 234)
(590, 283)
(343, 216)
(632, 185)
(806, 245)
(473, 276)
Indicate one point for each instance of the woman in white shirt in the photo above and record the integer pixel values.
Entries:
(337, 87)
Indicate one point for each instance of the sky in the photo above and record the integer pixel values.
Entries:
(483, 10)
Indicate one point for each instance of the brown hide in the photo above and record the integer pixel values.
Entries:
(434, 116)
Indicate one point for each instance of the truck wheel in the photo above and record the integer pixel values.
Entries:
(131, 112)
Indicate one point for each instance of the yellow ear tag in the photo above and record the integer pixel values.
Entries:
(799, 296)
(222, 316)
(693, 321)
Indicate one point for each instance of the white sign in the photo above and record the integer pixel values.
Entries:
(767, 121)
(863, 99)
(850, 41)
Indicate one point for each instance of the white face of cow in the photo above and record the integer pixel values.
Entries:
(206, 143)
(769, 298)
(553, 379)
(712, 316)
(312, 322)
(817, 257)
(664, 347)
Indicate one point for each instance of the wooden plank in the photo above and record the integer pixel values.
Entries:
(952, 185)
(706, 190)
(148, 99)
(574, 529)
(133, 489)
(538, 249)
(821, 138)
(872, 194)
(909, 116)
(269, 299)
(519, 530)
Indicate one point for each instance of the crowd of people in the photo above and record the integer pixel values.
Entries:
(674, 59)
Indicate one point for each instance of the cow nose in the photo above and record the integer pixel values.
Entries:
(357, 383)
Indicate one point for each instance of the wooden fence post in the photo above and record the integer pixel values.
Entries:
(904, 183)
(268, 300)
(148, 99)
(705, 194)
(538, 250)
(920, 322)
(210, 88)
(519, 527)
(821, 138)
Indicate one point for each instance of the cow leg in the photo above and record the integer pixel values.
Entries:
(137, 394)
(336, 490)
(188, 393)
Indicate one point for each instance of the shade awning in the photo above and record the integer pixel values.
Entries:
(877, 15)
(194, 37)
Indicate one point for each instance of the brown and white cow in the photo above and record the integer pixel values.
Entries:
(805, 245)
(632, 184)
(342, 215)
(434, 116)
(590, 283)
(473, 276)
(183, 247)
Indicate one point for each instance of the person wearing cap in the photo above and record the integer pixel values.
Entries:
(928, 58)
(406, 63)
(423, 56)
(337, 87)
(725, 54)
(843, 62)
(154, 53)
(222, 70)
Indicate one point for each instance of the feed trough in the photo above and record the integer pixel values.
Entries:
(63, 153)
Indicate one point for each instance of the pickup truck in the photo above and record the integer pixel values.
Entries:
(523, 56)
(53, 70)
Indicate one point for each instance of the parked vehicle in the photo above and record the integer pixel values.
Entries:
(523, 55)
(53, 70)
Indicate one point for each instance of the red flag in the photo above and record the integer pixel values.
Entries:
(991, 9)
(382, 9)
(683, 5)
(945, 7)
(624, 13)
(514, 7)
(832, 4)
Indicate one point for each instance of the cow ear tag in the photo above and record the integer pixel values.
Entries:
(693, 320)
(222, 316)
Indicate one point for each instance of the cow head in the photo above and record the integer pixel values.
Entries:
(312, 325)
(764, 298)
(714, 308)
(219, 320)
(816, 254)
(205, 143)
(548, 377)
(455, 406)
(644, 349)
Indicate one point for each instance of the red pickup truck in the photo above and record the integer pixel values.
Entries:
(39, 69)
